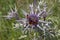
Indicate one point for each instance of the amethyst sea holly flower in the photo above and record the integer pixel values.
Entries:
(32, 18)
(12, 14)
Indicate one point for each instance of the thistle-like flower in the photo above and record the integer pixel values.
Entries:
(12, 14)
(32, 18)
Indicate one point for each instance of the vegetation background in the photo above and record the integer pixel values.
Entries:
(6, 29)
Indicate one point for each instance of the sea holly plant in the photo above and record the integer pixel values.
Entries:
(33, 21)
(12, 13)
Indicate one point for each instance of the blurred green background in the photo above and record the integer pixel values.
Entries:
(6, 28)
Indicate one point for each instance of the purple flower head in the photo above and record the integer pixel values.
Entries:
(33, 19)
